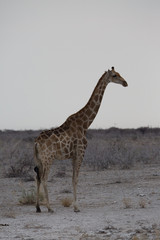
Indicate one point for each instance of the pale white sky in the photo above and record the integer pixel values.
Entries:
(52, 53)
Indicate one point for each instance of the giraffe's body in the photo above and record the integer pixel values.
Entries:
(69, 140)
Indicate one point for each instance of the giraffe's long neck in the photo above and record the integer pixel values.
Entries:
(83, 118)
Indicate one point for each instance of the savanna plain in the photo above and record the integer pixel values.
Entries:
(118, 189)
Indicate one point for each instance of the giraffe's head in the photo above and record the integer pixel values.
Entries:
(116, 77)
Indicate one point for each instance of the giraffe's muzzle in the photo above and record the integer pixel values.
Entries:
(125, 84)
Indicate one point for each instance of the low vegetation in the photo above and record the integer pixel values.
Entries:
(66, 202)
(110, 148)
(29, 197)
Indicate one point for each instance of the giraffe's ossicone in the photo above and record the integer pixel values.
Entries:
(69, 140)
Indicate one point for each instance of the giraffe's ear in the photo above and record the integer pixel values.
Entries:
(109, 72)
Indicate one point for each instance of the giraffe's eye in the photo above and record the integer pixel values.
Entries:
(114, 76)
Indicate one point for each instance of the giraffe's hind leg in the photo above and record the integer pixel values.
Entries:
(44, 183)
(46, 196)
(42, 179)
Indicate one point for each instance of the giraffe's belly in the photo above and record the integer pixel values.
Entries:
(64, 153)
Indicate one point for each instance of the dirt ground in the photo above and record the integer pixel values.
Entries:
(114, 204)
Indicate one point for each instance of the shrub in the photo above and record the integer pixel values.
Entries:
(66, 202)
(29, 197)
(102, 154)
(106, 148)
(21, 162)
(142, 203)
(127, 202)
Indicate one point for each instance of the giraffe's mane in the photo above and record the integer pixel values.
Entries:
(57, 131)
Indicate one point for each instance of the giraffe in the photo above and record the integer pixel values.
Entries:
(69, 140)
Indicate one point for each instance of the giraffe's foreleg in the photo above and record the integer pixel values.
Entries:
(74, 181)
(76, 166)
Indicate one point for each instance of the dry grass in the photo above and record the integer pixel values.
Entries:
(157, 234)
(29, 197)
(66, 202)
(10, 214)
(142, 203)
(135, 238)
(127, 202)
(141, 237)
(145, 236)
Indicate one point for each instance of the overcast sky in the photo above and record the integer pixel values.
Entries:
(53, 52)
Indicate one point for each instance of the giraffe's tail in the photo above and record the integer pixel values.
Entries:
(37, 169)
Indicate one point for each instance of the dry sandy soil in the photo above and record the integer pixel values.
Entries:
(115, 204)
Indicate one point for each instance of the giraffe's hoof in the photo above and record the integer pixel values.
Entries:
(38, 210)
(50, 210)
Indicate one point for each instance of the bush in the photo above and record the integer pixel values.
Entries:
(106, 148)
(67, 202)
(103, 154)
(29, 197)
(20, 159)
